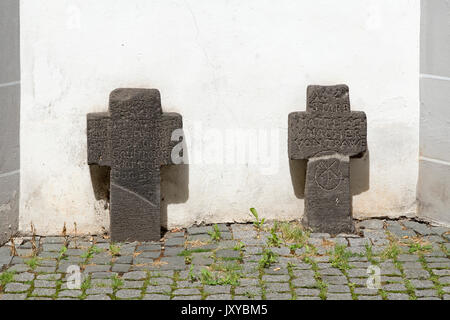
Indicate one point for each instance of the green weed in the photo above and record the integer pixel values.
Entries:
(258, 223)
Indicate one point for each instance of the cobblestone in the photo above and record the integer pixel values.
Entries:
(160, 270)
(16, 287)
(98, 297)
(128, 294)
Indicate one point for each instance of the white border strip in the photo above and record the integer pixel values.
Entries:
(9, 174)
(432, 76)
(447, 163)
(9, 84)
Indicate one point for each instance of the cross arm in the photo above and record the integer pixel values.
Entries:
(358, 125)
(169, 123)
(296, 128)
(311, 133)
(98, 138)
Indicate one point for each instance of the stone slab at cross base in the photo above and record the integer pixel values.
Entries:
(328, 203)
(327, 135)
(135, 139)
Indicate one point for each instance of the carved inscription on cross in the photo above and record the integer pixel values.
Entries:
(134, 139)
(327, 135)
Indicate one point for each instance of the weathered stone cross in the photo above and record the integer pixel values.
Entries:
(327, 134)
(134, 139)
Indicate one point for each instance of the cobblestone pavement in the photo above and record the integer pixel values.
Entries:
(279, 261)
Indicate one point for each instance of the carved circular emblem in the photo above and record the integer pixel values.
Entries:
(328, 174)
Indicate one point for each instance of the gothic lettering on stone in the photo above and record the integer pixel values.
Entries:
(340, 132)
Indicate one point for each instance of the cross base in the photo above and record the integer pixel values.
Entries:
(328, 202)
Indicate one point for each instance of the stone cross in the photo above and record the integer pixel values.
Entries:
(327, 135)
(134, 138)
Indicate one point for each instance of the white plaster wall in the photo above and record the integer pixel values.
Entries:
(9, 119)
(222, 64)
(433, 190)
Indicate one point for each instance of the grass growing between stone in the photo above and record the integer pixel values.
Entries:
(392, 252)
(186, 253)
(352, 287)
(290, 268)
(215, 234)
(410, 289)
(268, 258)
(383, 294)
(188, 259)
(62, 252)
(445, 250)
(5, 278)
(91, 252)
(339, 258)
(417, 247)
(85, 285)
(369, 254)
(433, 277)
(276, 265)
(32, 262)
(239, 246)
(294, 233)
(274, 240)
(114, 250)
(258, 223)
(221, 274)
(320, 284)
(191, 275)
(117, 282)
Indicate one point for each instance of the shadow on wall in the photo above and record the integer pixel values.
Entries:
(297, 169)
(359, 175)
(174, 183)
(174, 188)
(100, 178)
